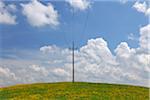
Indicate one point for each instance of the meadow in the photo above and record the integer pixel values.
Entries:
(74, 91)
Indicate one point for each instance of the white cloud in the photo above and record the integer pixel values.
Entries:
(79, 4)
(61, 72)
(123, 50)
(145, 38)
(39, 14)
(132, 37)
(6, 76)
(123, 1)
(142, 7)
(97, 50)
(49, 49)
(5, 72)
(6, 16)
(39, 69)
(94, 62)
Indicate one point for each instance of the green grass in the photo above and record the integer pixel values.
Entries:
(74, 91)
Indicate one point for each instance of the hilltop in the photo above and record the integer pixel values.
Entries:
(74, 91)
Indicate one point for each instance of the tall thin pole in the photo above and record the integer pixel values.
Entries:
(73, 62)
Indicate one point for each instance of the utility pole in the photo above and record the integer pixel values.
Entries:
(73, 61)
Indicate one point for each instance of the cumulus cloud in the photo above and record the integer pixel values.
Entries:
(6, 73)
(145, 38)
(94, 62)
(6, 13)
(39, 14)
(136, 59)
(142, 7)
(6, 76)
(79, 4)
(123, 50)
(61, 72)
(39, 69)
(49, 49)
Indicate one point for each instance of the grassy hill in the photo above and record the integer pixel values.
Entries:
(74, 91)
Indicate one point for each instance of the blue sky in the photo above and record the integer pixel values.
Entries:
(111, 37)
(113, 21)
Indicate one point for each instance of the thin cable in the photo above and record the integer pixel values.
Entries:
(85, 26)
(67, 40)
(72, 35)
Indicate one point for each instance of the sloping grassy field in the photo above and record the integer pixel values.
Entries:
(74, 91)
